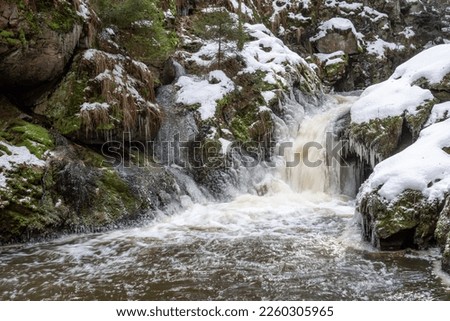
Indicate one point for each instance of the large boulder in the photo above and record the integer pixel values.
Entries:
(37, 40)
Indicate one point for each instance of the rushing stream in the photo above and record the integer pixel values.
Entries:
(296, 242)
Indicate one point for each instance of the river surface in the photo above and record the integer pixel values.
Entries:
(285, 246)
(294, 243)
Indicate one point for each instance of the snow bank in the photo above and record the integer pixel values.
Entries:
(206, 92)
(424, 166)
(399, 94)
(207, 54)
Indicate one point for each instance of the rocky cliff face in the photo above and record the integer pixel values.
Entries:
(63, 102)
(355, 43)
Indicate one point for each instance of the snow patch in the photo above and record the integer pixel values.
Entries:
(207, 54)
(356, 6)
(408, 32)
(2, 181)
(20, 155)
(83, 10)
(323, 57)
(142, 24)
(244, 9)
(268, 96)
(372, 14)
(269, 54)
(206, 92)
(298, 17)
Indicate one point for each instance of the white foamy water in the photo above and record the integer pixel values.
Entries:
(294, 243)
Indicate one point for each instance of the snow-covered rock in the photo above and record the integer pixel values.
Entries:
(337, 34)
(402, 200)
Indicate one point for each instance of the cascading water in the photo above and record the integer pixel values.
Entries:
(294, 243)
(307, 168)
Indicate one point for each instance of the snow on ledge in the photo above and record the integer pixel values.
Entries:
(206, 92)
(94, 106)
(438, 113)
(336, 24)
(379, 47)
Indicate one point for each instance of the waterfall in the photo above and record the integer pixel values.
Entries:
(306, 166)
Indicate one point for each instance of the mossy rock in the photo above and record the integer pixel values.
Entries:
(379, 135)
(27, 209)
(409, 221)
(446, 256)
(440, 90)
(442, 233)
(63, 107)
(115, 198)
(415, 122)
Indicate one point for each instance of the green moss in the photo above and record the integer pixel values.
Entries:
(410, 211)
(416, 122)
(36, 138)
(91, 158)
(10, 38)
(60, 17)
(240, 130)
(4, 150)
(6, 34)
(68, 126)
(379, 135)
(63, 107)
(148, 43)
(26, 209)
(116, 198)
